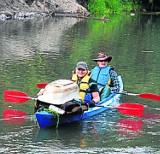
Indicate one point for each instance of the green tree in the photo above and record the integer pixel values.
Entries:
(105, 7)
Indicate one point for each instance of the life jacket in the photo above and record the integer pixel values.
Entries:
(84, 87)
(101, 75)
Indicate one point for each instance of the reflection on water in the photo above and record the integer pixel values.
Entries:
(100, 129)
(14, 116)
(23, 39)
(42, 50)
(78, 135)
(130, 127)
(103, 133)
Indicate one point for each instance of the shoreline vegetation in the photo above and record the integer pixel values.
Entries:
(85, 9)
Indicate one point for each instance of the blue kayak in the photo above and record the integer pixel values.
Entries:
(46, 120)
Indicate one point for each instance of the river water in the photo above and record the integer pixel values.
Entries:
(42, 50)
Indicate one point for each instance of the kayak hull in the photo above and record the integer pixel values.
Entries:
(46, 119)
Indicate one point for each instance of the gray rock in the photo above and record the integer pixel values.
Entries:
(20, 9)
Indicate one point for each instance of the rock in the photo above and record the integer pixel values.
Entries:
(19, 9)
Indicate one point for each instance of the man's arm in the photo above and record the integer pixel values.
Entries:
(115, 85)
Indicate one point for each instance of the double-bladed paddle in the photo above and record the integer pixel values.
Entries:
(125, 108)
(142, 95)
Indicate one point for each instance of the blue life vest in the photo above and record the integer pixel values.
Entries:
(101, 76)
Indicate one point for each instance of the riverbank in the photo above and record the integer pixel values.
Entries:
(20, 9)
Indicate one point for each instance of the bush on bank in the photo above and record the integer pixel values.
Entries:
(105, 7)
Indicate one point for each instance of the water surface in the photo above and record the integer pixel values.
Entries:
(42, 50)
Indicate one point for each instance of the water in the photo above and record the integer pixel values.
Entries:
(42, 50)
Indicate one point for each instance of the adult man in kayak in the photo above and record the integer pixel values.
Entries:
(105, 76)
(89, 92)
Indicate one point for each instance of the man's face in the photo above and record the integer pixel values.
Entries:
(102, 63)
(81, 72)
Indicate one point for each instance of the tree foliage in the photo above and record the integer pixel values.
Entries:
(104, 7)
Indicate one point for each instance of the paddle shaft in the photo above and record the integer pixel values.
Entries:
(142, 95)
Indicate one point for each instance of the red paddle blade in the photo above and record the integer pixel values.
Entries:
(130, 127)
(14, 116)
(131, 109)
(131, 124)
(15, 96)
(41, 85)
(150, 96)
